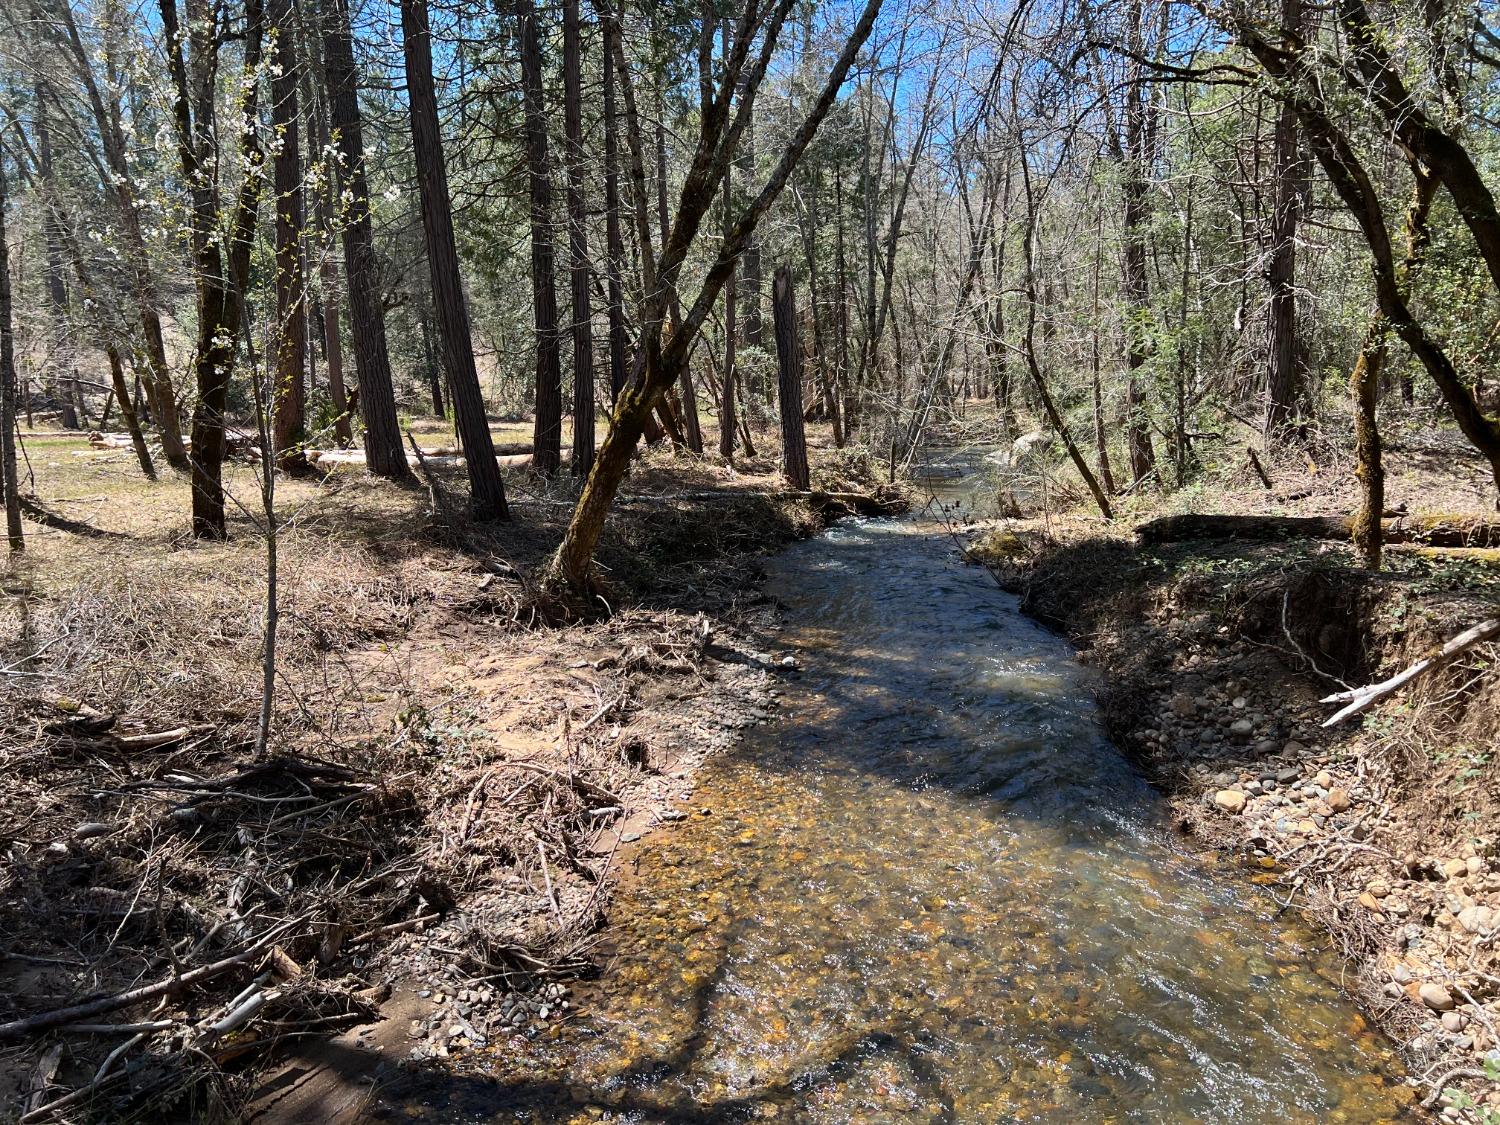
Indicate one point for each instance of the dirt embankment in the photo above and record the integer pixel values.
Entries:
(430, 837)
(1383, 829)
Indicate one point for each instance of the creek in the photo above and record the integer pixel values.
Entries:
(930, 889)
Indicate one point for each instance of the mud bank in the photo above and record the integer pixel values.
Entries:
(1382, 830)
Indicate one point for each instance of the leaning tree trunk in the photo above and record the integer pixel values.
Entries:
(571, 570)
(578, 246)
(547, 430)
(8, 481)
(486, 487)
(128, 412)
(384, 452)
(289, 388)
(789, 384)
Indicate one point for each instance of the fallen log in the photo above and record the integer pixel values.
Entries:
(860, 502)
(1440, 530)
(1360, 699)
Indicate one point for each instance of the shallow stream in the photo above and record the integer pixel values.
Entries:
(929, 889)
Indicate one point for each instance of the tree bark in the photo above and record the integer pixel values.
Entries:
(486, 487)
(578, 246)
(1365, 387)
(547, 429)
(385, 454)
(289, 338)
(128, 412)
(690, 427)
(789, 384)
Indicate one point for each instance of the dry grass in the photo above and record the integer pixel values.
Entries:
(446, 779)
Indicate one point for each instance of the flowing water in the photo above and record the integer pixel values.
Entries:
(929, 889)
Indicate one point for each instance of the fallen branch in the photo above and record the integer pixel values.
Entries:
(18, 1029)
(1359, 699)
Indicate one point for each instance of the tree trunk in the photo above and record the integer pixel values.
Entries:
(13, 531)
(1139, 144)
(578, 246)
(618, 362)
(1101, 431)
(128, 411)
(385, 454)
(221, 277)
(1286, 359)
(547, 429)
(328, 270)
(727, 419)
(431, 367)
(289, 352)
(486, 487)
(691, 427)
(789, 384)
(1365, 386)
(64, 385)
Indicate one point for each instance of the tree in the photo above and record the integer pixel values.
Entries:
(578, 246)
(13, 531)
(789, 385)
(547, 429)
(1286, 359)
(289, 386)
(614, 238)
(54, 271)
(486, 487)
(56, 20)
(221, 278)
(384, 451)
(570, 572)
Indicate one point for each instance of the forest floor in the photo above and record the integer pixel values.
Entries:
(1385, 829)
(434, 832)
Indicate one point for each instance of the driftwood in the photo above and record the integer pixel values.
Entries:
(1430, 530)
(1360, 699)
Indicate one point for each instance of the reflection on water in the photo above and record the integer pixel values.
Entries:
(931, 891)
